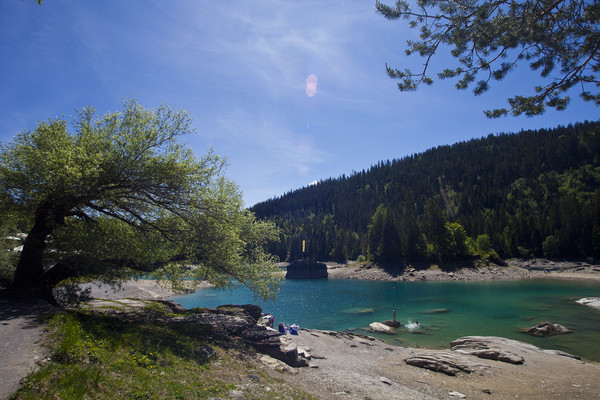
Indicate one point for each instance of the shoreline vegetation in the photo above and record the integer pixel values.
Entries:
(352, 366)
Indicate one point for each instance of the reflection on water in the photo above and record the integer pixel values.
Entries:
(445, 310)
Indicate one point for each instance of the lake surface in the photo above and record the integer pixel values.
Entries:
(445, 310)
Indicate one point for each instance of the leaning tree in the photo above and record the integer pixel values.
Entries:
(124, 187)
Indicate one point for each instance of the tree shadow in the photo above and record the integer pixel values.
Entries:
(30, 312)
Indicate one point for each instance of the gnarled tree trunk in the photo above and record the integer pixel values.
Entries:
(30, 266)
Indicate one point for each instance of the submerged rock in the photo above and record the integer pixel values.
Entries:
(547, 329)
(438, 311)
(590, 301)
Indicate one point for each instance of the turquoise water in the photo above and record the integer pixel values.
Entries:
(444, 310)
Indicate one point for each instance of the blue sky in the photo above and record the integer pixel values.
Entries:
(291, 92)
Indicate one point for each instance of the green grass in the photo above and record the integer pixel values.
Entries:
(95, 357)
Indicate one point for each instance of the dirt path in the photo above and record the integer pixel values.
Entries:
(21, 329)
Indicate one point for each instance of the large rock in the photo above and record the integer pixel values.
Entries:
(253, 310)
(392, 324)
(459, 358)
(590, 301)
(381, 328)
(491, 348)
(501, 349)
(447, 363)
(547, 329)
(304, 269)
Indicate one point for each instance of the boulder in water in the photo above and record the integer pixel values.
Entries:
(305, 269)
(381, 328)
(547, 329)
(590, 301)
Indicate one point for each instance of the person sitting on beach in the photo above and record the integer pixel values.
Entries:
(282, 329)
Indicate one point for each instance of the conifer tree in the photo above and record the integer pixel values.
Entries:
(490, 38)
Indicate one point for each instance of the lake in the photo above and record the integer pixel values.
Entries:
(445, 310)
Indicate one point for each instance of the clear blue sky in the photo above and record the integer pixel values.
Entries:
(241, 69)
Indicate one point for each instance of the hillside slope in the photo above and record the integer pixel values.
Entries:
(535, 193)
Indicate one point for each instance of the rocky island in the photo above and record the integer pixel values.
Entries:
(306, 269)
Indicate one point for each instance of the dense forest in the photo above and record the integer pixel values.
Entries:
(531, 194)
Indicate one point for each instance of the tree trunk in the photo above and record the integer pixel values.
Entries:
(30, 267)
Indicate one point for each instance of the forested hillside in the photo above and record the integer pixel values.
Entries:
(536, 193)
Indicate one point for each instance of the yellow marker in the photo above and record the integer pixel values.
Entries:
(304, 246)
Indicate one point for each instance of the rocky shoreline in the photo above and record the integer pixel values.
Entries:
(346, 365)
(351, 366)
(467, 271)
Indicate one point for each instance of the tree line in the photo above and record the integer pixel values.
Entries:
(531, 194)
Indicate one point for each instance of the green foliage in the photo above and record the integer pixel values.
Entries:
(491, 38)
(122, 190)
(104, 358)
(551, 247)
(8, 257)
(483, 248)
(514, 190)
(434, 227)
(384, 237)
(457, 241)
(74, 343)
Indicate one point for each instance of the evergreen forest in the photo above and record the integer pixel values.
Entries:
(531, 194)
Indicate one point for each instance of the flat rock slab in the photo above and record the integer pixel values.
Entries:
(460, 357)
(445, 362)
(490, 348)
(503, 349)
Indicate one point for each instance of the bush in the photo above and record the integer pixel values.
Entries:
(551, 247)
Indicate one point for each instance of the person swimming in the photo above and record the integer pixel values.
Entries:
(412, 325)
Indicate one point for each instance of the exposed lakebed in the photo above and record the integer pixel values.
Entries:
(445, 310)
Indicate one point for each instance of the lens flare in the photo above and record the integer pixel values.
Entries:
(311, 85)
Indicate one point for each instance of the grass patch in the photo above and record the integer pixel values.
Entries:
(100, 357)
